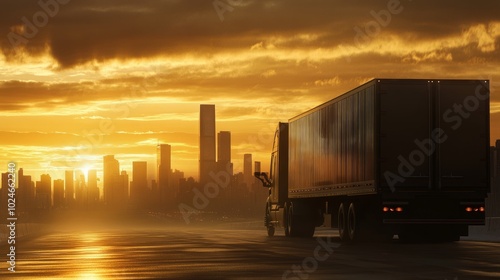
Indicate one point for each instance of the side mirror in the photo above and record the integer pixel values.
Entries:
(262, 176)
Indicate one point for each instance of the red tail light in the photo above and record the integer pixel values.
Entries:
(474, 209)
(392, 209)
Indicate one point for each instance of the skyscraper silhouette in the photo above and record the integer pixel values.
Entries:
(247, 170)
(256, 169)
(58, 194)
(26, 201)
(69, 192)
(224, 152)
(139, 186)
(111, 170)
(92, 189)
(207, 142)
(4, 195)
(164, 154)
(121, 193)
(80, 189)
(43, 192)
(5, 183)
(174, 186)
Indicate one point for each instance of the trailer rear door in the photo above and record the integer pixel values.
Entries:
(463, 112)
(405, 127)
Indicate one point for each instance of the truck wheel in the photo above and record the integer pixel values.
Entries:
(291, 222)
(299, 225)
(342, 223)
(352, 223)
(270, 231)
(269, 225)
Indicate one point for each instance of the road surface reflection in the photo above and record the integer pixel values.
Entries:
(190, 252)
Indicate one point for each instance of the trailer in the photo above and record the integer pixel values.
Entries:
(406, 157)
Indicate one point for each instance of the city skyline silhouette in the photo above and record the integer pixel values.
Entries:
(118, 188)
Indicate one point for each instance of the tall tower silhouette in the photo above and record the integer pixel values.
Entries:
(247, 170)
(111, 170)
(44, 192)
(122, 190)
(164, 155)
(58, 193)
(92, 189)
(224, 152)
(139, 185)
(69, 191)
(207, 142)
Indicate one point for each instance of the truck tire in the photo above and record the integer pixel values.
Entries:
(342, 225)
(290, 221)
(352, 223)
(269, 226)
(299, 224)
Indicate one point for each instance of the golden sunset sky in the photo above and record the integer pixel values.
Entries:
(102, 77)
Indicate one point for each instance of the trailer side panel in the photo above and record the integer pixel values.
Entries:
(331, 147)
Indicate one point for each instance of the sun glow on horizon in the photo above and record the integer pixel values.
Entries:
(85, 171)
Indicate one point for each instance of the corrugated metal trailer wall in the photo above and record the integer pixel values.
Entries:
(331, 147)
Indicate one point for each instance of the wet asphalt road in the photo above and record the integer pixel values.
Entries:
(236, 250)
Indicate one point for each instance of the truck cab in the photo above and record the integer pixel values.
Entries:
(277, 181)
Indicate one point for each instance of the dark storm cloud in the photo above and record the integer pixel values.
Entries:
(86, 30)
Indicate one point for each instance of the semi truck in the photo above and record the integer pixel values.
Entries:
(405, 157)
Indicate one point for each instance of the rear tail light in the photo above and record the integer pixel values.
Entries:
(392, 209)
(474, 209)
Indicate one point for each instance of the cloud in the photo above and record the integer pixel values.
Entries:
(328, 82)
(495, 107)
(89, 30)
(269, 73)
(166, 116)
